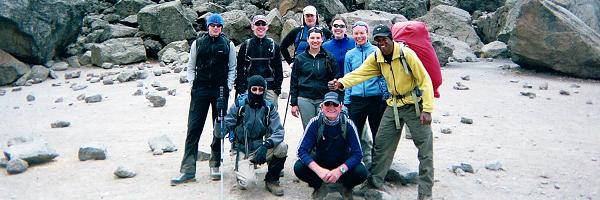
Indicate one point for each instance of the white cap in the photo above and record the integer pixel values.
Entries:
(310, 10)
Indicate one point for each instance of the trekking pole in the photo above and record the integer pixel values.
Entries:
(222, 129)
(287, 105)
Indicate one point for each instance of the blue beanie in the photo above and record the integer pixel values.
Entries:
(215, 18)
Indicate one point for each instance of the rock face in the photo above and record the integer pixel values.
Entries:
(167, 21)
(490, 25)
(119, 51)
(452, 22)
(586, 10)
(236, 26)
(11, 68)
(473, 5)
(547, 36)
(409, 8)
(33, 152)
(36, 30)
(161, 143)
(92, 152)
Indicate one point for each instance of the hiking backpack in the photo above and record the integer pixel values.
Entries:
(268, 59)
(414, 35)
(344, 125)
(240, 102)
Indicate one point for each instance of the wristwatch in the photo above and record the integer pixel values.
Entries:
(343, 169)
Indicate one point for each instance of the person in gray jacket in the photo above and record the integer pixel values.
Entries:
(256, 132)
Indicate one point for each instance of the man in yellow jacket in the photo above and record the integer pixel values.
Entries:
(407, 82)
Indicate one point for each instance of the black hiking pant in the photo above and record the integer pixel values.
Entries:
(362, 107)
(351, 178)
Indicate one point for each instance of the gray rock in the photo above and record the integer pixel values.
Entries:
(495, 49)
(86, 58)
(466, 167)
(398, 173)
(236, 22)
(434, 3)
(494, 166)
(107, 65)
(465, 120)
(371, 17)
(73, 61)
(447, 48)
(172, 92)
(92, 152)
(157, 101)
(162, 88)
(536, 28)
(130, 7)
(155, 84)
(527, 85)
(18, 140)
(81, 97)
(60, 124)
(56, 84)
(138, 92)
(460, 86)
(60, 66)
(564, 92)
(473, 5)
(130, 20)
(203, 156)
(39, 39)
(157, 72)
(531, 95)
(11, 68)
(466, 78)
(33, 152)
(589, 102)
(16, 166)
(174, 52)
(544, 86)
(108, 81)
(2, 92)
(118, 51)
(141, 74)
(162, 143)
(119, 31)
(152, 47)
(140, 84)
(30, 98)
(124, 172)
(126, 76)
(72, 75)
(95, 80)
(183, 79)
(446, 131)
(93, 99)
(452, 22)
(167, 21)
(59, 100)
(586, 10)
(410, 9)
(77, 87)
(39, 72)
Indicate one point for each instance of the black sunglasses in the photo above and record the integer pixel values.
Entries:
(260, 23)
(329, 103)
(315, 29)
(339, 26)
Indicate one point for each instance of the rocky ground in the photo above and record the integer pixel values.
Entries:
(544, 140)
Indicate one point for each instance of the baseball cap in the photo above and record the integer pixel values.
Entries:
(382, 30)
(309, 10)
(259, 18)
(331, 97)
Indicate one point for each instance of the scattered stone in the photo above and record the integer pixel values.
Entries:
(56, 84)
(156, 100)
(203, 156)
(140, 84)
(33, 152)
(465, 120)
(508, 67)
(18, 140)
(95, 80)
(446, 114)
(589, 102)
(60, 124)
(183, 79)
(446, 131)
(177, 70)
(514, 81)
(594, 159)
(544, 86)
(108, 81)
(124, 172)
(2, 92)
(52, 75)
(162, 88)
(16, 89)
(556, 186)
(284, 95)
(60, 66)
(72, 75)
(162, 143)
(459, 171)
(460, 86)
(564, 92)
(141, 74)
(81, 97)
(126, 76)
(155, 84)
(93, 99)
(466, 167)
(526, 85)
(77, 87)
(398, 173)
(479, 181)
(16, 166)
(92, 152)
(466, 78)
(494, 166)
(531, 95)
(30, 98)
(107, 65)
(59, 100)
(575, 86)
(157, 72)
(158, 152)
(172, 92)
(138, 92)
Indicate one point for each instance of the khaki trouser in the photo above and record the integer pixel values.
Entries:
(386, 143)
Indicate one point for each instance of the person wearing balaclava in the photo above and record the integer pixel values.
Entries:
(251, 119)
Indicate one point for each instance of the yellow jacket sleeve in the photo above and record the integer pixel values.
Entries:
(367, 70)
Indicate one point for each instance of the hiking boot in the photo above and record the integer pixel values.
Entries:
(347, 193)
(183, 178)
(274, 188)
(215, 174)
(320, 193)
(424, 197)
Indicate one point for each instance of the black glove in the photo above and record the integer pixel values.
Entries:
(221, 106)
(217, 130)
(261, 153)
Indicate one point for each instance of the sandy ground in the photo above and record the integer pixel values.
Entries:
(548, 145)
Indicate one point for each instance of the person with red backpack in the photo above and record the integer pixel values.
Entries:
(411, 102)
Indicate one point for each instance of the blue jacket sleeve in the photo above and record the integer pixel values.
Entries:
(354, 143)
(347, 69)
(308, 141)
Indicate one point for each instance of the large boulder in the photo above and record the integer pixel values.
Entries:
(167, 20)
(237, 26)
(119, 51)
(409, 8)
(175, 52)
(33, 152)
(548, 36)
(489, 25)
(125, 8)
(326, 9)
(473, 5)
(36, 30)
(586, 10)
(372, 18)
(275, 25)
(452, 22)
(495, 49)
(11, 68)
(446, 47)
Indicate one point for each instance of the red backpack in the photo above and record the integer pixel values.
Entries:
(414, 34)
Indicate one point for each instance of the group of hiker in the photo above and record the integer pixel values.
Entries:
(337, 83)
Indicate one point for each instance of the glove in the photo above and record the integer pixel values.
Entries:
(261, 153)
(221, 106)
(277, 91)
(217, 130)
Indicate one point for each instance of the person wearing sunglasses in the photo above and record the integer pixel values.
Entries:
(298, 36)
(211, 66)
(260, 55)
(312, 70)
(364, 100)
(341, 43)
(330, 151)
(410, 103)
(257, 132)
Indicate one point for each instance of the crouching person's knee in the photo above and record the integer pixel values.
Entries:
(280, 151)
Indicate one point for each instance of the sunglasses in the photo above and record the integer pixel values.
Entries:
(260, 23)
(339, 26)
(360, 23)
(315, 29)
(257, 89)
(216, 25)
(329, 103)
